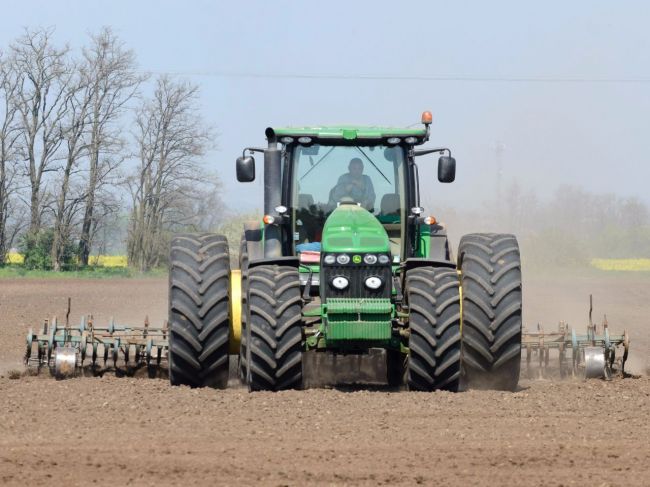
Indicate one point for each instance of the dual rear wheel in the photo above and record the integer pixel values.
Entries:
(199, 321)
(473, 344)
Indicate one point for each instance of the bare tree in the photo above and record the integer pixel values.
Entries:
(171, 138)
(113, 82)
(42, 104)
(79, 97)
(9, 136)
(108, 229)
(207, 211)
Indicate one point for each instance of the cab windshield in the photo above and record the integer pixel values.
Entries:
(326, 176)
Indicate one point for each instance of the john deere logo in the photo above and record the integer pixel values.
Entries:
(356, 259)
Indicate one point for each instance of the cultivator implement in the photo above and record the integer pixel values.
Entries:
(596, 354)
(66, 350)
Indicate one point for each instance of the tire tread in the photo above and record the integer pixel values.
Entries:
(198, 310)
(434, 321)
(274, 328)
(490, 267)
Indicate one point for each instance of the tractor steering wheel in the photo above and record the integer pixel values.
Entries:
(342, 190)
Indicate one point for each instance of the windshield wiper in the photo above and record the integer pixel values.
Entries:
(318, 162)
(373, 164)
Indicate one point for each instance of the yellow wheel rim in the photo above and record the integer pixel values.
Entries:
(235, 311)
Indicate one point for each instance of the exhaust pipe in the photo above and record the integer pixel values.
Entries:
(272, 194)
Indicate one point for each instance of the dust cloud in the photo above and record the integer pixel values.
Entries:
(559, 236)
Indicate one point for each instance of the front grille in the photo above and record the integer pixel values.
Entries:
(356, 275)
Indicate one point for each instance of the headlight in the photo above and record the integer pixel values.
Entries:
(384, 259)
(340, 282)
(343, 259)
(373, 282)
(329, 259)
(370, 259)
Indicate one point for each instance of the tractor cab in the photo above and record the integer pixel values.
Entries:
(323, 170)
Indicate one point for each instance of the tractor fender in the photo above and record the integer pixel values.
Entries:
(414, 262)
(290, 261)
(254, 236)
(437, 241)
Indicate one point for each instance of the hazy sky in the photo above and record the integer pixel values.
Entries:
(565, 86)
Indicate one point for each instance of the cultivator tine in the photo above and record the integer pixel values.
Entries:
(592, 355)
(626, 348)
(541, 351)
(67, 313)
(575, 352)
(64, 349)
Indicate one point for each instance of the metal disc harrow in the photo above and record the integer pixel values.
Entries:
(66, 350)
(596, 354)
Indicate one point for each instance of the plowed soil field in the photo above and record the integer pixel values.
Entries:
(130, 431)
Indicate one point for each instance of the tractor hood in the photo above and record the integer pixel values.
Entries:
(351, 228)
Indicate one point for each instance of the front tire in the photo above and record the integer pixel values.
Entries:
(199, 328)
(274, 329)
(434, 321)
(490, 267)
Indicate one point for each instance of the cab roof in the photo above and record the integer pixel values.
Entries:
(349, 132)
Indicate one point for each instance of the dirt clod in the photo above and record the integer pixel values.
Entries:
(14, 374)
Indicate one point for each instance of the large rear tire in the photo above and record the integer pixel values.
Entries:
(490, 267)
(198, 310)
(434, 321)
(274, 329)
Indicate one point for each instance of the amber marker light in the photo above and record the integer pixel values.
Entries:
(268, 219)
(430, 220)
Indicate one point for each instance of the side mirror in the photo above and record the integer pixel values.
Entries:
(446, 169)
(245, 169)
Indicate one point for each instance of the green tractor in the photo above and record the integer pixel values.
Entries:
(345, 261)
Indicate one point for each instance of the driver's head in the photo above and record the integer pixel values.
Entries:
(356, 167)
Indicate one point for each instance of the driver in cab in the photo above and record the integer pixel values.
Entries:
(356, 185)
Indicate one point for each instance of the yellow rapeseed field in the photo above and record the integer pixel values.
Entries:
(15, 258)
(633, 265)
(98, 260)
(108, 260)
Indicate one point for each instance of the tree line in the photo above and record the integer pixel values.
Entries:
(86, 137)
(569, 228)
